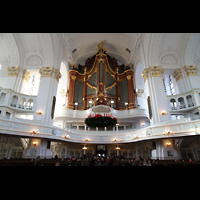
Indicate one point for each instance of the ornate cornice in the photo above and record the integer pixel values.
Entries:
(46, 71)
(13, 70)
(26, 75)
(177, 74)
(145, 74)
(156, 71)
(191, 70)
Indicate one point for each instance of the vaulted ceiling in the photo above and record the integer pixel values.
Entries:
(33, 50)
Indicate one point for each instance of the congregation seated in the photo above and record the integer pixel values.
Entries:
(97, 161)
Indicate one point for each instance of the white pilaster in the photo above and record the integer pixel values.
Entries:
(47, 90)
(39, 150)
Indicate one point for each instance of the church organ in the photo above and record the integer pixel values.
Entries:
(101, 80)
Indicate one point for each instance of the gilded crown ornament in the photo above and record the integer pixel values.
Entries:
(100, 49)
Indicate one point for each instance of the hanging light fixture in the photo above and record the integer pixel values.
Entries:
(34, 132)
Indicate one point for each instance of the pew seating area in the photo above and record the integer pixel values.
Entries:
(65, 162)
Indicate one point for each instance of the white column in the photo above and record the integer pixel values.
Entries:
(47, 90)
(156, 91)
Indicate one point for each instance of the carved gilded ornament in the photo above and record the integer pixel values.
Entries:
(73, 77)
(177, 74)
(46, 71)
(26, 75)
(111, 86)
(57, 75)
(128, 77)
(13, 71)
(156, 71)
(139, 92)
(145, 74)
(63, 92)
(91, 86)
(101, 49)
(191, 70)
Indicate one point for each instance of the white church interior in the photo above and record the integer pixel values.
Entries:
(147, 84)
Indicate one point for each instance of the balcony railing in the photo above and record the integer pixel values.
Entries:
(184, 101)
(16, 100)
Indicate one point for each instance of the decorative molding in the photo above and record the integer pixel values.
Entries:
(169, 59)
(177, 74)
(57, 75)
(111, 86)
(13, 70)
(91, 86)
(63, 92)
(34, 60)
(145, 74)
(26, 75)
(139, 92)
(46, 71)
(156, 71)
(191, 70)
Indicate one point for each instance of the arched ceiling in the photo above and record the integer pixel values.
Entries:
(116, 43)
(33, 50)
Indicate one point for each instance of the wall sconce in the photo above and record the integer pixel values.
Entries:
(111, 101)
(117, 124)
(34, 132)
(87, 139)
(66, 136)
(167, 132)
(135, 137)
(39, 112)
(34, 143)
(142, 124)
(168, 144)
(84, 148)
(164, 112)
(117, 147)
(76, 103)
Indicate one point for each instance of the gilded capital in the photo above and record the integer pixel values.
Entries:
(177, 74)
(57, 75)
(156, 71)
(145, 74)
(191, 70)
(26, 75)
(46, 71)
(13, 70)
